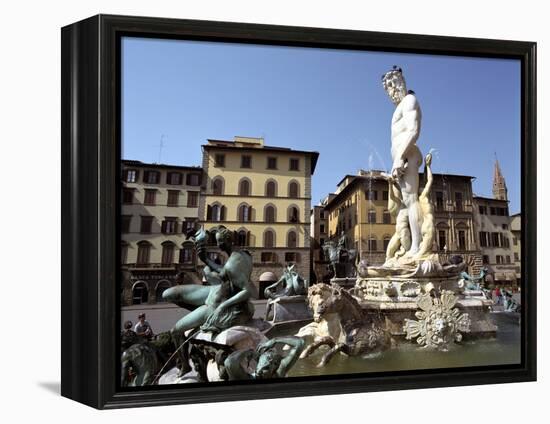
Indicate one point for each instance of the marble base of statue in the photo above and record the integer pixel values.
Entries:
(392, 290)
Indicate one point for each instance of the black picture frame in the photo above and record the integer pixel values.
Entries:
(90, 206)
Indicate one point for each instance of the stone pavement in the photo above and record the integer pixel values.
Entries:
(162, 316)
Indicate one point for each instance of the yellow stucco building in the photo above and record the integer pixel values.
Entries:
(263, 194)
(159, 208)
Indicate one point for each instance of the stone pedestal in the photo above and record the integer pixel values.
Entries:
(345, 282)
(287, 308)
(394, 298)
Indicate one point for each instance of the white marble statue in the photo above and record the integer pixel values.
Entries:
(407, 158)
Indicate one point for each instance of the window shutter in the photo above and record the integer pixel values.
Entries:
(208, 213)
(145, 176)
(163, 226)
(137, 175)
(247, 238)
(250, 213)
(125, 175)
(222, 213)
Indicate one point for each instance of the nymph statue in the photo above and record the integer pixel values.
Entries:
(406, 157)
(221, 305)
(426, 206)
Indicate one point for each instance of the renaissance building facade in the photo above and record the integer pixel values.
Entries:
(160, 205)
(515, 227)
(359, 209)
(499, 244)
(319, 234)
(263, 194)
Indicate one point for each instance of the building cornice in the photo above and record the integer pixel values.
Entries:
(229, 146)
(140, 164)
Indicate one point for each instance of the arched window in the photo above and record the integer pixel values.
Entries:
(124, 253)
(271, 189)
(140, 293)
(215, 212)
(217, 186)
(241, 238)
(161, 287)
(269, 213)
(293, 190)
(167, 253)
(245, 213)
(144, 251)
(293, 214)
(186, 254)
(244, 187)
(291, 239)
(269, 238)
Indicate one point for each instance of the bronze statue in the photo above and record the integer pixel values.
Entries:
(290, 284)
(268, 360)
(473, 282)
(342, 260)
(142, 361)
(221, 305)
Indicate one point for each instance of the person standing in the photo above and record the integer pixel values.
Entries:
(143, 328)
(497, 295)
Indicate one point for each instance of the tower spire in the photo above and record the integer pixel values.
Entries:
(500, 191)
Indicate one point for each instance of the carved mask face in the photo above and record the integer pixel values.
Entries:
(439, 325)
(394, 84)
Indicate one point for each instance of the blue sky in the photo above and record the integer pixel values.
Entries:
(331, 101)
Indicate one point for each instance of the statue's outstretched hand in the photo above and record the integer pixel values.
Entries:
(428, 159)
(398, 169)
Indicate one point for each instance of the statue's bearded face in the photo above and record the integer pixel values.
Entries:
(394, 84)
